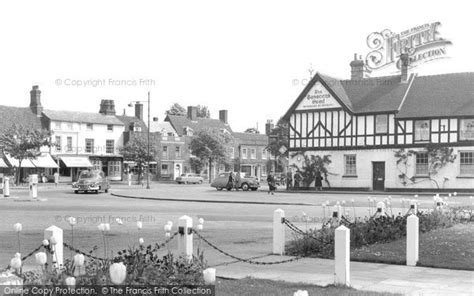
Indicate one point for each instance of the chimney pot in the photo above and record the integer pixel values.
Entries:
(139, 111)
(35, 101)
(223, 116)
(192, 113)
(107, 107)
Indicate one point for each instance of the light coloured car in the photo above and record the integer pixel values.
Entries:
(189, 179)
(245, 183)
(91, 181)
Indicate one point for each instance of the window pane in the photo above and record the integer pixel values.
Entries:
(467, 163)
(421, 164)
(422, 130)
(350, 168)
(467, 129)
(381, 124)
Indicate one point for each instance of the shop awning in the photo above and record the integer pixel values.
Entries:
(44, 161)
(25, 163)
(76, 161)
(3, 163)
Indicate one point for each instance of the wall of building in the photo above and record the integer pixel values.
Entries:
(364, 159)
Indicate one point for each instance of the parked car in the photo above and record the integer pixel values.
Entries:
(246, 183)
(91, 180)
(189, 179)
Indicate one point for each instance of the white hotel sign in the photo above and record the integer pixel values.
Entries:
(318, 98)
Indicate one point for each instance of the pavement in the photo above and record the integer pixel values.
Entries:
(406, 280)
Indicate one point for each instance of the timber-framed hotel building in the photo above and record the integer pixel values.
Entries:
(382, 133)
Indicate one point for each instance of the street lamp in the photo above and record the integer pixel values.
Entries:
(148, 139)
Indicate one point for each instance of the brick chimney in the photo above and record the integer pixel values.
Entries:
(107, 107)
(269, 127)
(192, 113)
(223, 116)
(35, 101)
(404, 61)
(139, 111)
(357, 68)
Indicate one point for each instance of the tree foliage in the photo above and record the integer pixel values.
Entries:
(203, 111)
(311, 165)
(137, 150)
(210, 146)
(176, 109)
(251, 130)
(23, 143)
(278, 139)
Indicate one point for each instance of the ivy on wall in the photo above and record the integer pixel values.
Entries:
(438, 157)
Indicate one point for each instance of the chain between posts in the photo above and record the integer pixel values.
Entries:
(243, 259)
(301, 232)
(25, 257)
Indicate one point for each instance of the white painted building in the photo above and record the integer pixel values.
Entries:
(87, 140)
(382, 133)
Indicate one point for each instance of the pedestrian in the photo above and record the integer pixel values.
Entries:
(289, 180)
(271, 184)
(230, 182)
(318, 182)
(238, 179)
(56, 179)
(298, 179)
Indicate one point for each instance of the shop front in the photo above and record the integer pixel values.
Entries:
(111, 166)
(70, 166)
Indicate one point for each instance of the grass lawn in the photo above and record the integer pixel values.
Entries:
(451, 248)
(250, 286)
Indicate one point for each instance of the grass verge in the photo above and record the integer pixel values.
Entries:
(251, 286)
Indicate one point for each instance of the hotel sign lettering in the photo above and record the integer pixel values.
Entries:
(422, 44)
(318, 98)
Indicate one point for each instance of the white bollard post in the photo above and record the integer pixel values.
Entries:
(6, 187)
(278, 232)
(342, 256)
(412, 240)
(185, 237)
(380, 209)
(56, 259)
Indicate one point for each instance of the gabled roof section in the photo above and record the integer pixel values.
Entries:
(440, 95)
(85, 117)
(165, 128)
(127, 120)
(251, 139)
(20, 116)
(378, 94)
(180, 122)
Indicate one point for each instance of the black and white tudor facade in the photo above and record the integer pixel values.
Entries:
(362, 123)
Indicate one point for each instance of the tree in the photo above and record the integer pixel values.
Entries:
(278, 138)
(210, 146)
(23, 143)
(196, 164)
(137, 150)
(176, 109)
(203, 111)
(313, 164)
(251, 130)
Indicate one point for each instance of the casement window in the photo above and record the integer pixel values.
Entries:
(422, 130)
(89, 126)
(164, 152)
(57, 141)
(421, 164)
(110, 127)
(381, 124)
(244, 153)
(466, 160)
(109, 146)
(96, 164)
(178, 152)
(69, 144)
(165, 169)
(350, 165)
(253, 153)
(466, 130)
(89, 145)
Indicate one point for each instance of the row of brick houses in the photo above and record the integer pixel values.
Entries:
(93, 140)
(387, 133)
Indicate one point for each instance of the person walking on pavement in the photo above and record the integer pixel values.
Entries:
(318, 182)
(238, 179)
(230, 182)
(271, 184)
(289, 180)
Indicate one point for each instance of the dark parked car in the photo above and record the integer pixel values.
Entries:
(91, 180)
(245, 183)
(189, 178)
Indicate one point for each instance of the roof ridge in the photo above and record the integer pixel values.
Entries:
(447, 74)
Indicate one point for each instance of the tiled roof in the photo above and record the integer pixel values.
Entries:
(164, 128)
(86, 117)
(180, 122)
(251, 139)
(16, 115)
(425, 96)
(440, 95)
(127, 120)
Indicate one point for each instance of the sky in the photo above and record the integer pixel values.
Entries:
(251, 58)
